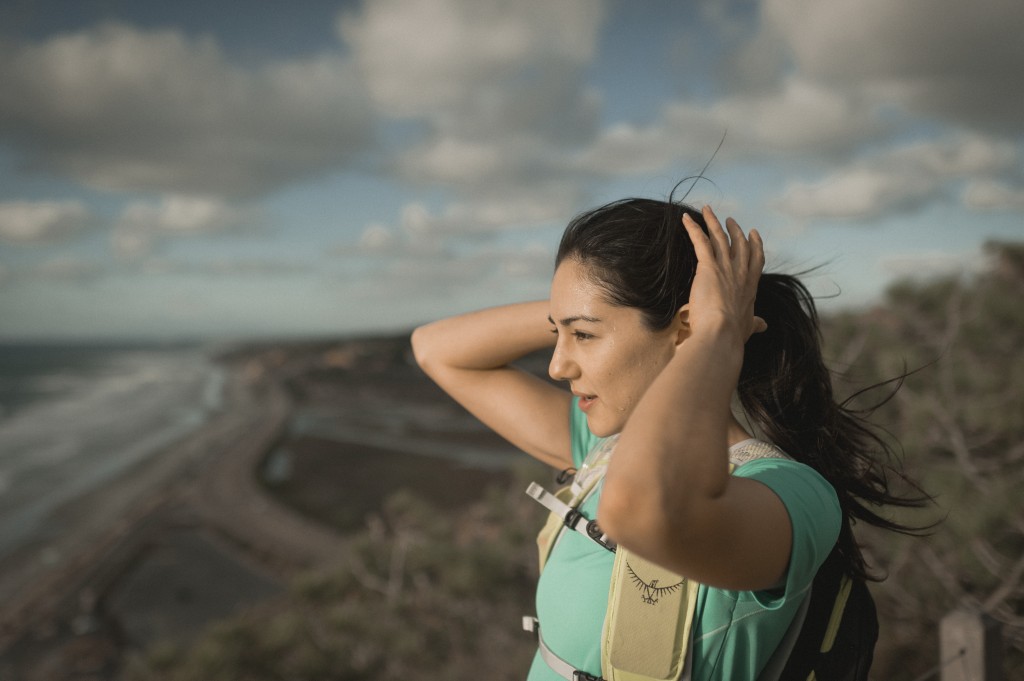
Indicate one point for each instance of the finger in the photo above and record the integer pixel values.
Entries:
(739, 249)
(716, 232)
(756, 262)
(701, 244)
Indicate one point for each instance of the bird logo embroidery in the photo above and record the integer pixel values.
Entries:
(650, 592)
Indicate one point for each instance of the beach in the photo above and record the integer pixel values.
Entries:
(307, 441)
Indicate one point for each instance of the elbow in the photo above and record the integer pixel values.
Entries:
(420, 342)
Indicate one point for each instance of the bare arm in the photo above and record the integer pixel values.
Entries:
(668, 494)
(470, 355)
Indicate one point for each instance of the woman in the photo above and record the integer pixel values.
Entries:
(658, 315)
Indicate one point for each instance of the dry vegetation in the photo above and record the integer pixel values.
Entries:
(436, 594)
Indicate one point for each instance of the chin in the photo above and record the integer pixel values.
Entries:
(602, 429)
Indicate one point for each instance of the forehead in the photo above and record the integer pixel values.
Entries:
(576, 293)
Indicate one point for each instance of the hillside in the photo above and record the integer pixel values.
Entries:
(433, 587)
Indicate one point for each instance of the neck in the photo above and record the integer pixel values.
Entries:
(736, 433)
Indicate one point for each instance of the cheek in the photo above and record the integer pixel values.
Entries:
(636, 375)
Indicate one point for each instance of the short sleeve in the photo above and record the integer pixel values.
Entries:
(814, 513)
(582, 439)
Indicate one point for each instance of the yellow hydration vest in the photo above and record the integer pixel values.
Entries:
(645, 638)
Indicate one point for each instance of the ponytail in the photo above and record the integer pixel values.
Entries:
(786, 390)
(640, 254)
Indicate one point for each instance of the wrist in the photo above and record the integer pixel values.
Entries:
(720, 331)
(712, 355)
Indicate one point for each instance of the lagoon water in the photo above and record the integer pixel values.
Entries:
(73, 417)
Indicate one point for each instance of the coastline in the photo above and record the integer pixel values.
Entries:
(192, 534)
(103, 525)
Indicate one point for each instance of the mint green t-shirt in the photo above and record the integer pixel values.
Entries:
(735, 632)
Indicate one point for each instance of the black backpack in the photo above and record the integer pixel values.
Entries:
(837, 639)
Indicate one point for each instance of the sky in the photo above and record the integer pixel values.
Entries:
(206, 169)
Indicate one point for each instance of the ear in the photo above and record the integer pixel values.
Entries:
(682, 323)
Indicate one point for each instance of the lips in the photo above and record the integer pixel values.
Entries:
(586, 401)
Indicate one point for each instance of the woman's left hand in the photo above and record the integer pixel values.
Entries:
(728, 268)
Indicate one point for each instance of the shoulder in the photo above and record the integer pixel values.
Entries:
(801, 488)
(785, 473)
(813, 508)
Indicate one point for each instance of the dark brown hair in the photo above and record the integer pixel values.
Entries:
(639, 253)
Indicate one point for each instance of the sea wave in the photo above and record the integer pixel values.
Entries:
(92, 424)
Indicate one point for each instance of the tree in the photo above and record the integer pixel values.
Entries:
(425, 594)
(960, 421)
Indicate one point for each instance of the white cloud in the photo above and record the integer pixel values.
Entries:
(821, 80)
(946, 59)
(421, 230)
(132, 243)
(41, 221)
(445, 278)
(183, 214)
(116, 107)
(500, 88)
(956, 156)
(518, 210)
(451, 160)
(414, 235)
(69, 268)
(994, 195)
(376, 238)
(932, 263)
(62, 269)
(856, 193)
(903, 178)
(227, 268)
(798, 117)
(143, 223)
(446, 57)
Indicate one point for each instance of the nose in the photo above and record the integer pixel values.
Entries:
(562, 366)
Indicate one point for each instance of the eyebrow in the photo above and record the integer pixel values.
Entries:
(578, 318)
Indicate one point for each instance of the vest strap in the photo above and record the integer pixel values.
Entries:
(571, 516)
(553, 661)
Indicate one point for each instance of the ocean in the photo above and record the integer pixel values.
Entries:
(72, 417)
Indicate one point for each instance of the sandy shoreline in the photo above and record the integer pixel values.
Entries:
(192, 534)
(101, 526)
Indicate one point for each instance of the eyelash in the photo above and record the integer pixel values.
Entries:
(578, 335)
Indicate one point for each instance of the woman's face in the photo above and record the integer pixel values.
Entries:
(606, 352)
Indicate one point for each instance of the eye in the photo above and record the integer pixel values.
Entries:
(581, 335)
